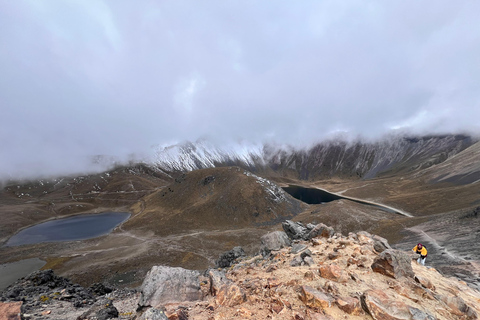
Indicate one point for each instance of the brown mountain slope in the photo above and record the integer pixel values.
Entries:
(462, 168)
(215, 198)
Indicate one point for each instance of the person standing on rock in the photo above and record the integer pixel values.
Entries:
(422, 251)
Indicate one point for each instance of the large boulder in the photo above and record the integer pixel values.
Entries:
(315, 299)
(295, 230)
(382, 307)
(227, 293)
(226, 259)
(380, 244)
(273, 241)
(164, 285)
(321, 230)
(217, 280)
(350, 305)
(393, 263)
(458, 307)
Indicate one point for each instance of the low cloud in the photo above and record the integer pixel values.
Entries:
(83, 78)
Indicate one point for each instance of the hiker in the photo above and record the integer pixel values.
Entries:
(422, 251)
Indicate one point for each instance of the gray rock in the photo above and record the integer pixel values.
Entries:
(164, 285)
(321, 230)
(393, 263)
(380, 244)
(295, 230)
(296, 262)
(306, 253)
(217, 280)
(228, 258)
(308, 261)
(303, 259)
(153, 314)
(296, 248)
(418, 314)
(103, 309)
(274, 241)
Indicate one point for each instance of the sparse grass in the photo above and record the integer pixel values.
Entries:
(55, 262)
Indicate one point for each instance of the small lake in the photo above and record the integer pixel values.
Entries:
(311, 195)
(11, 272)
(68, 229)
(318, 196)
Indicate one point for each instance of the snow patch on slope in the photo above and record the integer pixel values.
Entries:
(204, 154)
(276, 193)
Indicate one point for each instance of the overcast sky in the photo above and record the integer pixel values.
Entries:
(82, 78)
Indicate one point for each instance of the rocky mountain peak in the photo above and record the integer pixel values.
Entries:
(307, 273)
(325, 277)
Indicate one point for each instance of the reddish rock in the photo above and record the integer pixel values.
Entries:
(425, 282)
(458, 307)
(10, 310)
(321, 230)
(350, 305)
(393, 263)
(381, 307)
(320, 316)
(309, 275)
(333, 255)
(276, 306)
(315, 299)
(273, 282)
(230, 295)
(333, 272)
(331, 288)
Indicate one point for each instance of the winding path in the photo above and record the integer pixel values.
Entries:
(404, 213)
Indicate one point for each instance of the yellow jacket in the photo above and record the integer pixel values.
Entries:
(422, 252)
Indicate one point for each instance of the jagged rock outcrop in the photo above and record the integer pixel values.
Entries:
(226, 259)
(382, 307)
(167, 284)
(330, 287)
(103, 309)
(43, 287)
(274, 241)
(295, 230)
(298, 231)
(393, 263)
(337, 284)
(350, 305)
(315, 299)
(380, 244)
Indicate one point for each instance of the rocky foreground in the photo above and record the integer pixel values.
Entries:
(307, 272)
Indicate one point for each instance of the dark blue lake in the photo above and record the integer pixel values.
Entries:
(317, 196)
(67, 229)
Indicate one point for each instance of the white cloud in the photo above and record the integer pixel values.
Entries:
(82, 78)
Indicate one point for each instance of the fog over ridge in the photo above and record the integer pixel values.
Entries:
(87, 78)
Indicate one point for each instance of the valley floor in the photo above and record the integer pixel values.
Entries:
(443, 220)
